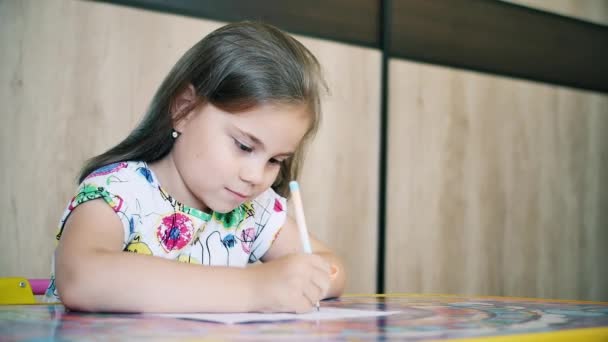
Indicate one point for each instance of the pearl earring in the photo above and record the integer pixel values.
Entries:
(175, 134)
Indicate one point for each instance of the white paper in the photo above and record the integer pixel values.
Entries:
(326, 313)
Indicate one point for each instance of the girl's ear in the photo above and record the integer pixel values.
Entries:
(183, 103)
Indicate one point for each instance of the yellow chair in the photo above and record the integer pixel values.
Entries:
(16, 291)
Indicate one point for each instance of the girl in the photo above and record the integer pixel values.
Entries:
(202, 182)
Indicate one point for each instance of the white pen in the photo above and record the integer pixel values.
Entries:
(294, 187)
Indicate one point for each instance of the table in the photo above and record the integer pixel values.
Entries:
(421, 318)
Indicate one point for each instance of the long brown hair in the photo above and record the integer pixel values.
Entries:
(235, 68)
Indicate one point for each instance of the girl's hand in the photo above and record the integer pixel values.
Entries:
(293, 283)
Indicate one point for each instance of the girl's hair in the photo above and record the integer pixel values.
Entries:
(235, 68)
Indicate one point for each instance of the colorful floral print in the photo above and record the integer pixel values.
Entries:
(138, 246)
(108, 169)
(146, 173)
(154, 223)
(229, 241)
(278, 207)
(230, 219)
(90, 192)
(175, 231)
(247, 239)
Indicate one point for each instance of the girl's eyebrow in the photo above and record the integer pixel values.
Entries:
(259, 143)
(251, 137)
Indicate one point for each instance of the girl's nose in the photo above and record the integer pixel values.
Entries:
(252, 173)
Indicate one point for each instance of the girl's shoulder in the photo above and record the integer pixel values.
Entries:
(121, 172)
(128, 187)
(118, 181)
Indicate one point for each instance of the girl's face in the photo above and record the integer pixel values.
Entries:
(225, 159)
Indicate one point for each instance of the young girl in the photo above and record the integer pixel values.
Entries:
(200, 185)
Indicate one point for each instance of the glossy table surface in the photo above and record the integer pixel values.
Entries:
(420, 318)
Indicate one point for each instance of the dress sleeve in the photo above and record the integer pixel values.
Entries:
(112, 187)
(270, 213)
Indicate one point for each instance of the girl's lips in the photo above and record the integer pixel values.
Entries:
(237, 194)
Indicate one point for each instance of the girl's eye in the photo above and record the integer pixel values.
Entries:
(242, 146)
(275, 161)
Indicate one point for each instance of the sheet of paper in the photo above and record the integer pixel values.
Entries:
(326, 313)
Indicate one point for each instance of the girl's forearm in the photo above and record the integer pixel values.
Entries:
(126, 282)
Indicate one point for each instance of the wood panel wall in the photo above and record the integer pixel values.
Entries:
(78, 76)
(340, 174)
(495, 186)
(588, 10)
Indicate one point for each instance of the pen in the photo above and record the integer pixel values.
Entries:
(294, 187)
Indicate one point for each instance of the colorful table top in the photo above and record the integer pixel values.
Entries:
(421, 318)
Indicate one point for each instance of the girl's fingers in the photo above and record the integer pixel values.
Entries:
(321, 264)
(311, 293)
(316, 287)
(321, 281)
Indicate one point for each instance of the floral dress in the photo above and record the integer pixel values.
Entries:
(154, 223)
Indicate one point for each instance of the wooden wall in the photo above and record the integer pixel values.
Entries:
(79, 75)
(595, 11)
(340, 175)
(495, 186)
(74, 82)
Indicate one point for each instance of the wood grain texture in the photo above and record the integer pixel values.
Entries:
(78, 76)
(588, 10)
(350, 21)
(501, 39)
(75, 80)
(340, 174)
(495, 186)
